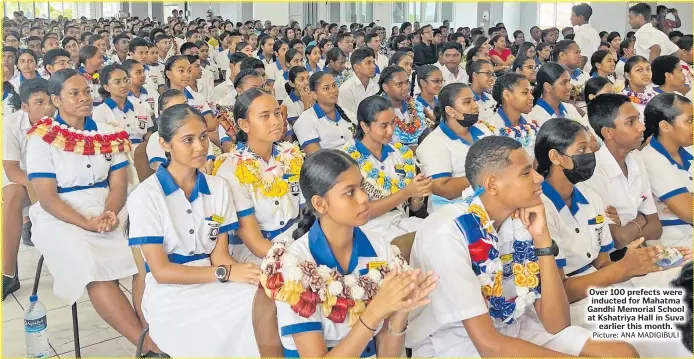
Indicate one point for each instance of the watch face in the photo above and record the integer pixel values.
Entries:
(221, 272)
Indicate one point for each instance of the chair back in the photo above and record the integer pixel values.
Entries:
(141, 162)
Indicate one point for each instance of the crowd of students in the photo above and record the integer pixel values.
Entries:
(331, 191)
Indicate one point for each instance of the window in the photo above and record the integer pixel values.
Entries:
(111, 9)
(48, 10)
(424, 12)
(359, 12)
(41, 9)
(554, 15)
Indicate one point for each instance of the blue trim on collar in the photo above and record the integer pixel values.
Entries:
(189, 96)
(279, 66)
(323, 255)
(169, 186)
(562, 110)
(293, 96)
(576, 198)
(385, 151)
(22, 78)
(482, 97)
(658, 89)
(575, 73)
(507, 122)
(475, 132)
(424, 102)
(89, 124)
(684, 154)
(112, 105)
(321, 114)
(5, 94)
(317, 69)
(622, 59)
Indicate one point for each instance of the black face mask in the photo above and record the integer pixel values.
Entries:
(469, 119)
(584, 166)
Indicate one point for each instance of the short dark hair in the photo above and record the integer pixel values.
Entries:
(491, 152)
(49, 57)
(236, 57)
(641, 9)
(137, 42)
(360, 55)
(661, 108)
(603, 110)
(251, 63)
(662, 65)
(451, 45)
(187, 46)
(584, 10)
(32, 86)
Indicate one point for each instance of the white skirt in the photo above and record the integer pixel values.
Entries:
(242, 254)
(393, 224)
(76, 257)
(201, 320)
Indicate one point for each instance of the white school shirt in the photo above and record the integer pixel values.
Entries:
(458, 295)
(500, 119)
(280, 76)
(486, 104)
(542, 112)
(154, 77)
(196, 100)
(647, 36)
(313, 126)
(187, 227)
(18, 80)
(588, 40)
(368, 247)
(135, 118)
(628, 196)
(14, 144)
(578, 81)
(579, 230)
(149, 97)
(274, 215)
(430, 106)
(352, 92)
(619, 69)
(222, 90)
(223, 136)
(668, 179)
(222, 60)
(155, 153)
(311, 71)
(294, 107)
(206, 83)
(449, 77)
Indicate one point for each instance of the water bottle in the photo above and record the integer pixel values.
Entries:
(36, 329)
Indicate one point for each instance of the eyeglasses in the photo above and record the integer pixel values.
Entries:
(488, 73)
(118, 82)
(437, 81)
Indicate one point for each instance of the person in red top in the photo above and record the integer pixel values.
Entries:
(500, 54)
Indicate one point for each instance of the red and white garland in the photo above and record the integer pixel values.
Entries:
(81, 142)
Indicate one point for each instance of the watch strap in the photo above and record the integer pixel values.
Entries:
(552, 250)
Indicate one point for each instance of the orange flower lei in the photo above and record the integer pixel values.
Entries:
(80, 142)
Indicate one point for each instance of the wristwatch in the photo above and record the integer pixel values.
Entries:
(552, 250)
(221, 273)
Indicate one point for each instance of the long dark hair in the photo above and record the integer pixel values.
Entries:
(313, 83)
(629, 64)
(557, 134)
(86, 53)
(14, 100)
(167, 67)
(447, 97)
(367, 111)
(664, 107)
(241, 107)
(597, 58)
(506, 81)
(105, 75)
(386, 75)
(171, 119)
(549, 73)
(593, 86)
(293, 73)
(422, 73)
(319, 175)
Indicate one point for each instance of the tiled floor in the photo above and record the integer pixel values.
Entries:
(97, 339)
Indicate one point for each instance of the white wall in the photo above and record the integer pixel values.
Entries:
(465, 14)
(511, 18)
(277, 12)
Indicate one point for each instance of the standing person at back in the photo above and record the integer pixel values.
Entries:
(585, 36)
(650, 42)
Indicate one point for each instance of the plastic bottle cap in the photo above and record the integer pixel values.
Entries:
(33, 298)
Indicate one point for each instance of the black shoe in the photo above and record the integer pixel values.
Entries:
(26, 234)
(9, 285)
(151, 354)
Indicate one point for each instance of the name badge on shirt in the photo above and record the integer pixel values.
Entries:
(142, 122)
(507, 260)
(154, 79)
(400, 170)
(150, 101)
(376, 265)
(108, 157)
(294, 187)
(599, 219)
(213, 231)
(197, 107)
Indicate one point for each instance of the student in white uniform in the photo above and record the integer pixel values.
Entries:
(568, 54)
(449, 55)
(26, 66)
(602, 64)
(156, 156)
(263, 174)
(650, 41)
(119, 109)
(639, 88)
(335, 65)
(551, 93)
(429, 80)
(363, 83)
(91, 61)
(11, 102)
(36, 104)
(667, 75)
(441, 155)
(478, 309)
(189, 269)
(513, 95)
(389, 171)
(78, 222)
(634, 215)
(332, 187)
(227, 87)
(292, 58)
(313, 59)
(136, 73)
(326, 124)
(139, 51)
(669, 165)
(55, 60)
(266, 53)
(527, 67)
(178, 76)
(275, 70)
(299, 97)
(626, 51)
(482, 79)
(373, 41)
(210, 71)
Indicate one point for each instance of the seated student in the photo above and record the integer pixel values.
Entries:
(501, 56)
(326, 124)
(442, 153)
(637, 81)
(551, 94)
(514, 98)
(292, 58)
(406, 61)
(194, 276)
(412, 118)
(667, 75)
(276, 69)
(620, 175)
(362, 84)
(496, 308)
(35, 105)
(389, 171)
(227, 87)
(335, 65)
(668, 120)
(686, 56)
(568, 54)
(450, 54)
(543, 53)
(78, 223)
(26, 65)
(482, 79)
(91, 61)
(299, 97)
(330, 244)
(602, 65)
(154, 80)
(155, 153)
(527, 67)
(120, 110)
(429, 80)
(55, 60)
(138, 91)
(313, 59)
(625, 52)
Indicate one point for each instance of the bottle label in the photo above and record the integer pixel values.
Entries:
(35, 325)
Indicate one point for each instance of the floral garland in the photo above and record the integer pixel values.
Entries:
(304, 286)
(272, 182)
(344, 76)
(409, 130)
(385, 185)
(640, 98)
(81, 142)
(525, 134)
(578, 83)
(487, 264)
